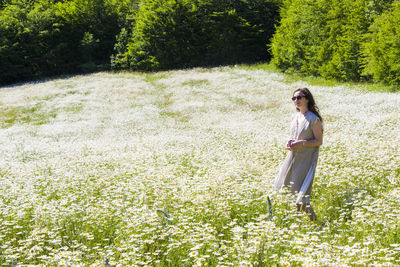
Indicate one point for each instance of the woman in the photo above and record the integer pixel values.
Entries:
(298, 169)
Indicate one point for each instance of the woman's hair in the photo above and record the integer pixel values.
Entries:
(311, 102)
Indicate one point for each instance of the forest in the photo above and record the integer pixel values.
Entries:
(342, 40)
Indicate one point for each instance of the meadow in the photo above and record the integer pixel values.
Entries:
(176, 168)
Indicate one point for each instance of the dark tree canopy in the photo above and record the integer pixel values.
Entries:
(42, 38)
(184, 33)
(39, 38)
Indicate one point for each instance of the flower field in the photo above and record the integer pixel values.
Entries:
(176, 169)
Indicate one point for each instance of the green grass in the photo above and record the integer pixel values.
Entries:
(196, 82)
(35, 115)
(294, 77)
(74, 108)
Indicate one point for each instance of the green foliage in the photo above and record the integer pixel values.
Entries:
(42, 38)
(3, 3)
(182, 33)
(340, 40)
(324, 37)
(382, 48)
(292, 43)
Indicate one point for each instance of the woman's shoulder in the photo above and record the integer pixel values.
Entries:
(312, 117)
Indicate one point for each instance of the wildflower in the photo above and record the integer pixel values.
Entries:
(193, 253)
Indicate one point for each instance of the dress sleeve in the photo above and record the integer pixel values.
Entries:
(314, 119)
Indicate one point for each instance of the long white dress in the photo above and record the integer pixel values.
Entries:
(298, 169)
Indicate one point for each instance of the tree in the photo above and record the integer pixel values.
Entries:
(42, 38)
(183, 33)
(324, 37)
(382, 47)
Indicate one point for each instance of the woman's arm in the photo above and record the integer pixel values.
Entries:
(317, 141)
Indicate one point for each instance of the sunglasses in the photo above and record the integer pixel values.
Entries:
(297, 97)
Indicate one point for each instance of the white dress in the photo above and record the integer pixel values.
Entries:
(298, 169)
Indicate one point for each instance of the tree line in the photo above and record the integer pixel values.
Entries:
(346, 40)
(39, 38)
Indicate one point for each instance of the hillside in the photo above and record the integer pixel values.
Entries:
(174, 168)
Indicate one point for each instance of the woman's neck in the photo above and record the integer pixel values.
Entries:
(303, 111)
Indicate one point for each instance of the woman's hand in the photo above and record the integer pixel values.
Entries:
(296, 145)
(288, 145)
(293, 145)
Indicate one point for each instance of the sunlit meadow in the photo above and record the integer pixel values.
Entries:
(176, 168)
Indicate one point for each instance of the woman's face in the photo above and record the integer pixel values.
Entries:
(299, 100)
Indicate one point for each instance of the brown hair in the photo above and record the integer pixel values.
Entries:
(311, 102)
